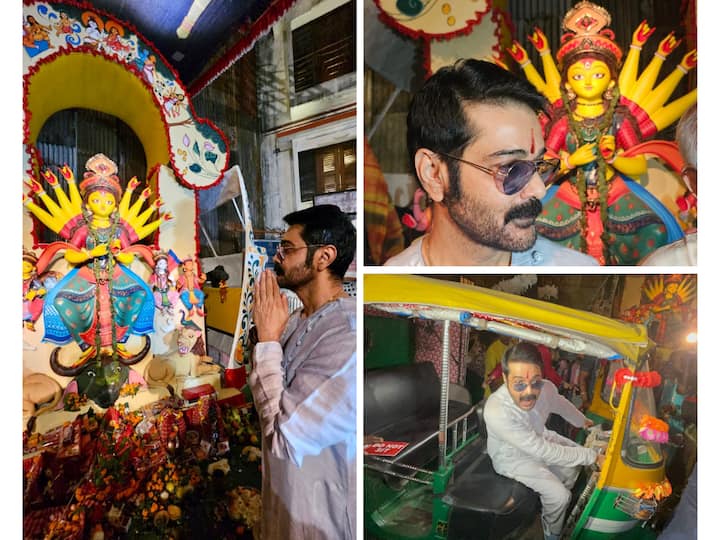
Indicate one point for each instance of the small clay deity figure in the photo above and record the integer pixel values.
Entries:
(189, 285)
(163, 284)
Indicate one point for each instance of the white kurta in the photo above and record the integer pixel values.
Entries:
(522, 448)
(304, 392)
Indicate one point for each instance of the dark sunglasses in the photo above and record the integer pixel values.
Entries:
(513, 177)
(522, 386)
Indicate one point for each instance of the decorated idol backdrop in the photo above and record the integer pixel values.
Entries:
(666, 304)
(621, 196)
(115, 307)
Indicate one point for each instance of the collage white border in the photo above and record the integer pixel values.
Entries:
(707, 269)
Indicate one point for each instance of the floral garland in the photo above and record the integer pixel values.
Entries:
(600, 127)
(97, 272)
(654, 490)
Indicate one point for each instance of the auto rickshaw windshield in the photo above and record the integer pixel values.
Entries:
(641, 446)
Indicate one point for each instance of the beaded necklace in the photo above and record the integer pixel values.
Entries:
(591, 130)
(97, 272)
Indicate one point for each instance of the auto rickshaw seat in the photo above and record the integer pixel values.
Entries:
(481, 489)
(481, 499)
(402, 403)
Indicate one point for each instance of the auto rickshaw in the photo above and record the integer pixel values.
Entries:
(437, 482)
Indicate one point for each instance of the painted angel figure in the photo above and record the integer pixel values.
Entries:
(602, 116)
(101, 301)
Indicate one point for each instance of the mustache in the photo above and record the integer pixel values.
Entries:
(278, 269)
(531, 397)
(529, 209)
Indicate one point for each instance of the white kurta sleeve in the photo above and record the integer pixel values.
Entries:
(514, 429)
(559, 404)
(317, 409)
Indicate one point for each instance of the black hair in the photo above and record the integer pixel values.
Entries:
(522, 352)
(437, 119)
(326, 224)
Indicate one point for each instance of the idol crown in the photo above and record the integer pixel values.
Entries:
(101, 175)
(586, 24)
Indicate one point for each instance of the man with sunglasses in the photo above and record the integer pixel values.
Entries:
(303, 380)
(476, 145)
(522, 447)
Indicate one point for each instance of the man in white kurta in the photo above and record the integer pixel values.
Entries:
(519, 444)
(303, 382)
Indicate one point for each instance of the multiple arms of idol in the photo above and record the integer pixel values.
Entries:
(59, 215)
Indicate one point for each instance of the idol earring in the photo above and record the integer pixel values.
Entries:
(609, 92)
(569, 91)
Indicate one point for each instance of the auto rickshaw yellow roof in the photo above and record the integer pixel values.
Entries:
(627, 339)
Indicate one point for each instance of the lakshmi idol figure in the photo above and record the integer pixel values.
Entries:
(100, 302)
(601, 113)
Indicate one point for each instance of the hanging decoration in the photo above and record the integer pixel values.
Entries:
(653, 429)
(643, 379)
(654, 490)
(448, 29)
(433, 19)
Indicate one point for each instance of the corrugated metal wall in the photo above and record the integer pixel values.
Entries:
(73, 136)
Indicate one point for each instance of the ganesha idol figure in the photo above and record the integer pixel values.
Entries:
(601, 120)
(101, 301)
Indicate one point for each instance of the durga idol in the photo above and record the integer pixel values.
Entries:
(602, 115)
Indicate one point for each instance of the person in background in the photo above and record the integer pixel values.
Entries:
(383, 231)
(683, 252)
(493, 358)
(303, 381)
(586, 381)
(683, 525)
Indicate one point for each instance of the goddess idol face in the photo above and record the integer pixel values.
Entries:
(589, 78)
(101, 203)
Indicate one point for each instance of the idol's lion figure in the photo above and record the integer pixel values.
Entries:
(189, 360)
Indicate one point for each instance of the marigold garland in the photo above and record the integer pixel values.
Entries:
(654, 490)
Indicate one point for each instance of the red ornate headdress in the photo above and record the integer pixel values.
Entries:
(101, 175)
(588, 35)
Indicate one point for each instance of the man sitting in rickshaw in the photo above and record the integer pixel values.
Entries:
(519, 444)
